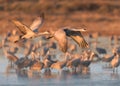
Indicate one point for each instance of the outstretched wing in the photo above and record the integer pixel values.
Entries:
(77, 37)
(23, 28)
(36, 24)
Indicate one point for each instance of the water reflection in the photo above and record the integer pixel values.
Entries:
(29, 74)
(29, 78)
(115, 76)
(10, 69)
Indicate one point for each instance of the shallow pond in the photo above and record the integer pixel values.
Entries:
(98, 76)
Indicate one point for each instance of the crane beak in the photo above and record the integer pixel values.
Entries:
(82, 29)
(46, 32)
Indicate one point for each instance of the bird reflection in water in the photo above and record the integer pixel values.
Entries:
(115, 76)
(9, 69)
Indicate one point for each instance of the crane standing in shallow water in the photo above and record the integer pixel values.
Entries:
(115, 62)
(9, 51)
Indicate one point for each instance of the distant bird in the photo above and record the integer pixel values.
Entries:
(86, 60)
(108, 58)
(29, 32)
(48, 61)
(116, 50)
(95, 36)
(10, 55)
(13, 36)
(115, 62)
(37, 66)
(60, 64)
(61, 37)
(74, 62)
(114, 40)
(23, 62)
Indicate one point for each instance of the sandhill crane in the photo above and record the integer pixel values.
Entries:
(115, 62)
(29, 32)
(23, 62)
(94, 35)
(86, 61)
(116, 50)
(60, 64)
(9, 54)
(113, 40)
(13, 36)
(48, 61)
(61, 37)
(108, 58)
(88, 57)
(37, 65)
(74, 62)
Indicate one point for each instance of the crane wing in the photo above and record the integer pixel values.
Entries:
(36, 24)
(77, 37)
(23, 28)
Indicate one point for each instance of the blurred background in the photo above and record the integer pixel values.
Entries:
(101, 16)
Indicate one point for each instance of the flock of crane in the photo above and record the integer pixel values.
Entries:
(54, 49)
